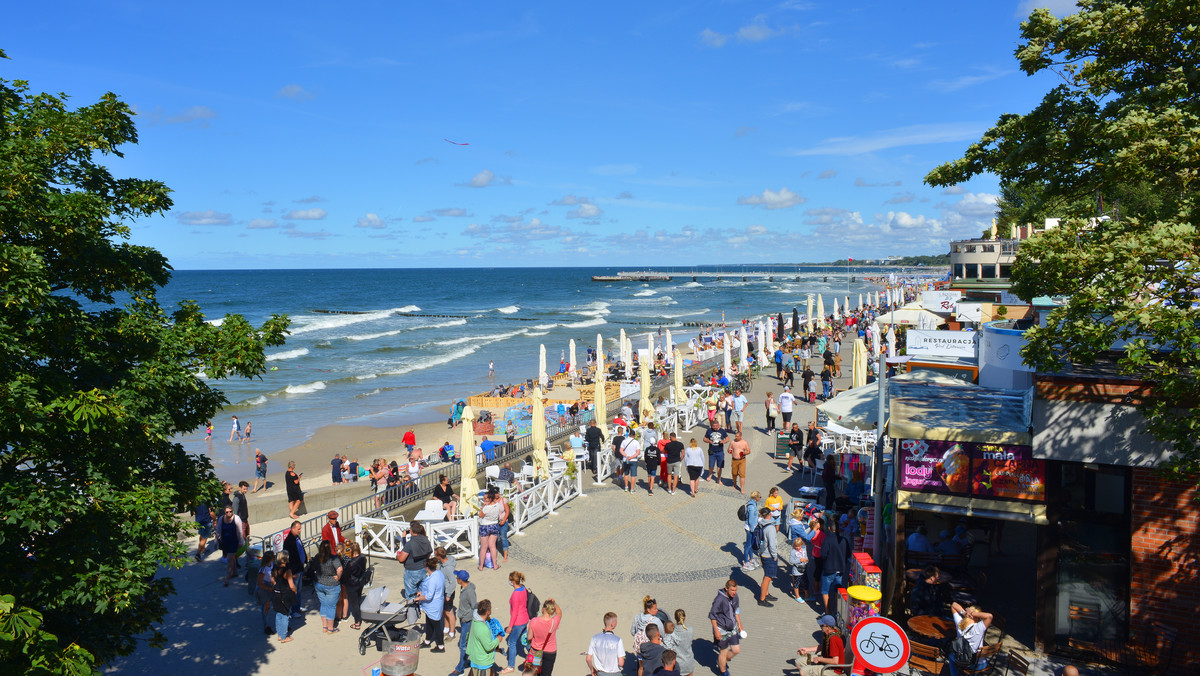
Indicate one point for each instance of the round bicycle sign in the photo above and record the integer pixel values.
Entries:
(879, 644)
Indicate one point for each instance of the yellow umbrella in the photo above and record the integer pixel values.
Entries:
(858, 376)
(601, 406)
(646, 408)
(680, 395)
(808, 315)
(469, 489)
(820, 312)
(539, 434)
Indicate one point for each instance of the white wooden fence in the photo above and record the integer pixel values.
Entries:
(385, 537)
(544, 497)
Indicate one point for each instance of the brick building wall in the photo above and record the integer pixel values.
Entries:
(1165, 565)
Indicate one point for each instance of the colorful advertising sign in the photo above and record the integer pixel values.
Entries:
(962, 468)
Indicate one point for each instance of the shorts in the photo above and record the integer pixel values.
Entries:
(738, 469)
(739, 416)
(260, 473)
(787, 418)
(630, 467)
(694, 472)
(489, 529)
(673, 468)
(770, 567)
(206, 530)
(653, 467)
(728, 640)
(795, 450)
(827, 582)
(716, 460)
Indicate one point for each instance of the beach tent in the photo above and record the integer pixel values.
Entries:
(910, 314)
(859, 407)
(809, 314)
(540, 461)
(858, 375)
(542, 365)
(469, 487)
(820, 311)
(725, 353)
(572, 345)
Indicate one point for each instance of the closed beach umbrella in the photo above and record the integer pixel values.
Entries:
(725, 352)
(858, 377)
(621, 351)
(820, 311)
(770, 339)
(669, 347)
(680, 394)
(846, 306)
(572, 346)
(539, 434)
(469, 488)
(809, 314)
(743, 348)
(601, 404)
(860, 303)
(763, 337)
(599, 349)
(650, 345)
(835, 308)
(542, 365)
(779, 319)
(796, 317)
(892, 342)
(644, 406)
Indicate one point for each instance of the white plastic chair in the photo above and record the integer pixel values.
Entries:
(814, 471)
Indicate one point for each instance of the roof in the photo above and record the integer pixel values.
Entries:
(966, 412)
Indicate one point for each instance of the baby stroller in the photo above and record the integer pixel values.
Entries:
(389, 624)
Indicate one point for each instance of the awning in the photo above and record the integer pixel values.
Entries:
(1109, 434)
(966, 413)
(1024, 512)
(912, 315)
(859, 407)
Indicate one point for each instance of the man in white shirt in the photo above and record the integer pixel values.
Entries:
(631, 452)
(606, 652)
(787, 401)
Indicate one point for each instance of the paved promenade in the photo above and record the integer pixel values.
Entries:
(600, 553)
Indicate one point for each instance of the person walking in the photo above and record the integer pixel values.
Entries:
(795, 447)
(354, 576)
(518, 617)
(229, 531)
(594, 438)
(739, 449)
(786, 402)
(630, 451)
(264, 590)
(751, 522)
(413, 555)
(294, 494)
(772, 409)
(693, 459)
(672, 454)
(542, 637)
(767, 552)
(679, 639)
(465, 613)
(606, 651)
(260, 470)
(285, 594)
(716, 438)
(489, 528)
(726, 619)
(236, 430)
(739, 409)
(482, 641)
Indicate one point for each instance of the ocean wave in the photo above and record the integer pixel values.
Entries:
(305, 389)
(321, 322)
(384, 334)
(508, 309)
(692, 285)
(533, 334)
(363, 395)
(260, 399)
(437, 360)
(595, 321)
(484, 339)
(594, 309)
(288, 354)
(647, 292)
(365, 376)
(215, 322)
(543, 327)
(686, 314)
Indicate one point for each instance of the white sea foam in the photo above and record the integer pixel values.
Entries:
(543, 327)
(319, 322)
(305, 389)
(216, 322)
(686, 314)
(365, 376)
(647, 292)
(508, 309)
(595, 321)
(484, 339)
(537, 333)
(437, 360)
(288, 354)
(384, 334)
(692, 285)
(594, 309)
(260, 399)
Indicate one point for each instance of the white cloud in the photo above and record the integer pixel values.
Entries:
(484, 179)
(570, 201)
(769, 199)
(198, 114)
(209, 217)
(371, 221)
(295, 92)
(310, 200)
(901, 198)
(915, 135)
(832, 216)
(757, 30)
(711, 38)
(585, 211)
(860, 183)
(828, 173)
(306, 214)
(423, 219)
(519, 233)
(1059, 8)
(453, 212)
(262, 224)
(965, 81)
(955, 190)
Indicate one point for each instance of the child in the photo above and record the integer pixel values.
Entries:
(208, 431)
(812, 391)
(799, 560)
(246, 436)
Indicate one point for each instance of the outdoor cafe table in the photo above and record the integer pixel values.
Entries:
(931, 626)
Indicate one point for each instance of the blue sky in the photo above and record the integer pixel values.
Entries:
(317, 134)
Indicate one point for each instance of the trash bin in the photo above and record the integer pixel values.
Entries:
(400, 657)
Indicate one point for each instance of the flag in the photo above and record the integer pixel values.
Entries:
(850, 260)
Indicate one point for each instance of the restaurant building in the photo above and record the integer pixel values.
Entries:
(1081, 544)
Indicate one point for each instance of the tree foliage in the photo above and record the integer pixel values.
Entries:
(1122, 130)
(96, 380)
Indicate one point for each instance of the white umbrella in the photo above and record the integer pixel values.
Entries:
(846, 306)
(820, 311)
(743, 349)
(669, 347)
(628, 358)
(858, 375)
(650, 346)
(599, 349)
(469, 487)
(860, 303)
(542, 365)
(725, 350)
(762, 344)
(892, 342)
(770, 339)
(572, 369)
(645, 408)
(835, 308)
(621, 346)
(808, 315)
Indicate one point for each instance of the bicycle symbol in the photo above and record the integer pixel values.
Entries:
(870, 643)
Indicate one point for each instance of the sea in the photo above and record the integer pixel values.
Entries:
(388, 347)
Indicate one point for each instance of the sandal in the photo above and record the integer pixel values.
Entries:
(356, 625)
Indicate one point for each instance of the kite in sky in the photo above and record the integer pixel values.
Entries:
(457, 144)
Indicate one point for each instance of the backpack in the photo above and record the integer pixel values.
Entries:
(960, 652)
(756, 539)
(742, 514)
(532, 605)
